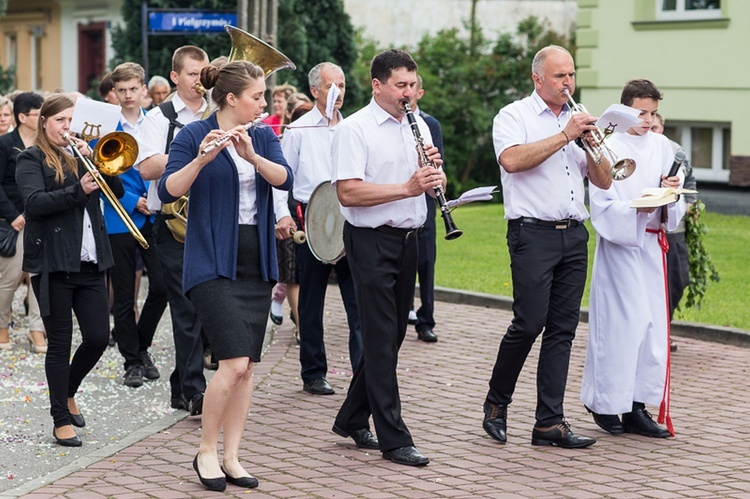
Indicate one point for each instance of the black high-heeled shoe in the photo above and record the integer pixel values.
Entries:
(217, 484)
(67, 442)
(249, 482)
(77, 420)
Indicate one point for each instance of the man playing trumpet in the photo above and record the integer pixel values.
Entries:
(542, 176)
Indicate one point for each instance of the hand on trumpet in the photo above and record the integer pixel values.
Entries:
(578, 124)
(88, 183)
(285, 227)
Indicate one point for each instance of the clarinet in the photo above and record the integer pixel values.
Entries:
(451, 231)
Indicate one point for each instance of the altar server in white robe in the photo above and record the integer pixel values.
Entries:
(627, 364)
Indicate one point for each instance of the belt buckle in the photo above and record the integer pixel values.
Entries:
(562, 224)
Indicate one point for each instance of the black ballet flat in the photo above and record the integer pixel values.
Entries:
(217, 484)
(77, 420)
(67, 442)
(249, 482)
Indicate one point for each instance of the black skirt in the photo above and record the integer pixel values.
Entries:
(234, 312)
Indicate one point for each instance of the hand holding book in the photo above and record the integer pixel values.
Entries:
(653, 197)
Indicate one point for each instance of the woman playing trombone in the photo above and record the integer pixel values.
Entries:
(230, 252)
(66, 250)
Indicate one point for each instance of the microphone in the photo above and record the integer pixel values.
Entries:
(679, 158)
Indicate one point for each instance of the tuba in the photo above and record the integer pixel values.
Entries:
(245, 47)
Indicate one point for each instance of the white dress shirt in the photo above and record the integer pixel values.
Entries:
(373, 146)
(152, 138)
(554, 189)
(248, 211)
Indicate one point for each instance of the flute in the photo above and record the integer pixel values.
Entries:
(451, 231)
(218, 141)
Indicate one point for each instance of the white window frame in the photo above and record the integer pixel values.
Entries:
(11, 47)
(719, 172)
(682, 14)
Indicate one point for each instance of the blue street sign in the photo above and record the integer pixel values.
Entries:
(203, 22)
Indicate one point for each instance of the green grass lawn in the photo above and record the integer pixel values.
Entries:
(478, 261)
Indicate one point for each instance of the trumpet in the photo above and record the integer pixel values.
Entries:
(218, 141)
(112, 152)
(620, 169)
(451, 231)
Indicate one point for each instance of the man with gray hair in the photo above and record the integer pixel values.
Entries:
(307, 149)
(158, 89)
(542, 176)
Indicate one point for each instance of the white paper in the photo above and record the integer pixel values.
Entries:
(94, 118)
(618, 118)
(333, 94)
(476, 194)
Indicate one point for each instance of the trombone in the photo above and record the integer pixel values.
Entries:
(115, 153)
(621, 168)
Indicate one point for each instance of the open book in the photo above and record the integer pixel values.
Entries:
(653, 197)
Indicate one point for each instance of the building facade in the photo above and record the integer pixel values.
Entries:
(692, 50)
(58, 43)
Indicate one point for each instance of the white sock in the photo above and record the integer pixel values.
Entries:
(277, 308)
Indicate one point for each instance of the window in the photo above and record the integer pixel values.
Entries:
(707, 145)
(685, 10)
(11, 44)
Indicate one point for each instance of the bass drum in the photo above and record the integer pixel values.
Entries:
(324, 224)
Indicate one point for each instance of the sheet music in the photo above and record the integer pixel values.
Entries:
(476, 194)
(333, 94)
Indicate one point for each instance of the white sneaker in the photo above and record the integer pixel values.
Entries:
(412, 317)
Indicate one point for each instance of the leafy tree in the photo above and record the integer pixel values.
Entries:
(126, 39)
(313, 32)
(7, 79)
(308, 33)
(467, 81)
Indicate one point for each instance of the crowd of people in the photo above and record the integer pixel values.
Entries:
(249, 183)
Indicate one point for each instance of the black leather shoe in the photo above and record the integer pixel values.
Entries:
(67, 442)
(318, 387)
(150, 372)
(363, 438)
(608, 422)
(560, 435)
(218, 484)
(639, 421)
(495, 421)
(409, 456)
(427, 335)
(276, 319)
(77, 420)
(179, 403)
(196, 405)
(133, 376)
(249, 482)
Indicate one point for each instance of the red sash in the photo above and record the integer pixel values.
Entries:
(664, 415)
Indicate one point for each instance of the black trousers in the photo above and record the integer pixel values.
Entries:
(313, 283)
(187, 379)
(383, 267)
(678, 269)
(426, 268)
(85, 293)
(134, 338)
(548, 268)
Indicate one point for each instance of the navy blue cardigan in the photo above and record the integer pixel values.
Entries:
(213, 221)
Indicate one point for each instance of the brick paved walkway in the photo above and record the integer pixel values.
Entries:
(290, 448)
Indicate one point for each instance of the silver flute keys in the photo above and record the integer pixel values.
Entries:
(218, 141)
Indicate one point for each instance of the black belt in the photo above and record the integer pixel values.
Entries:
(547, 224)
(395, 231)
(89, 267)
